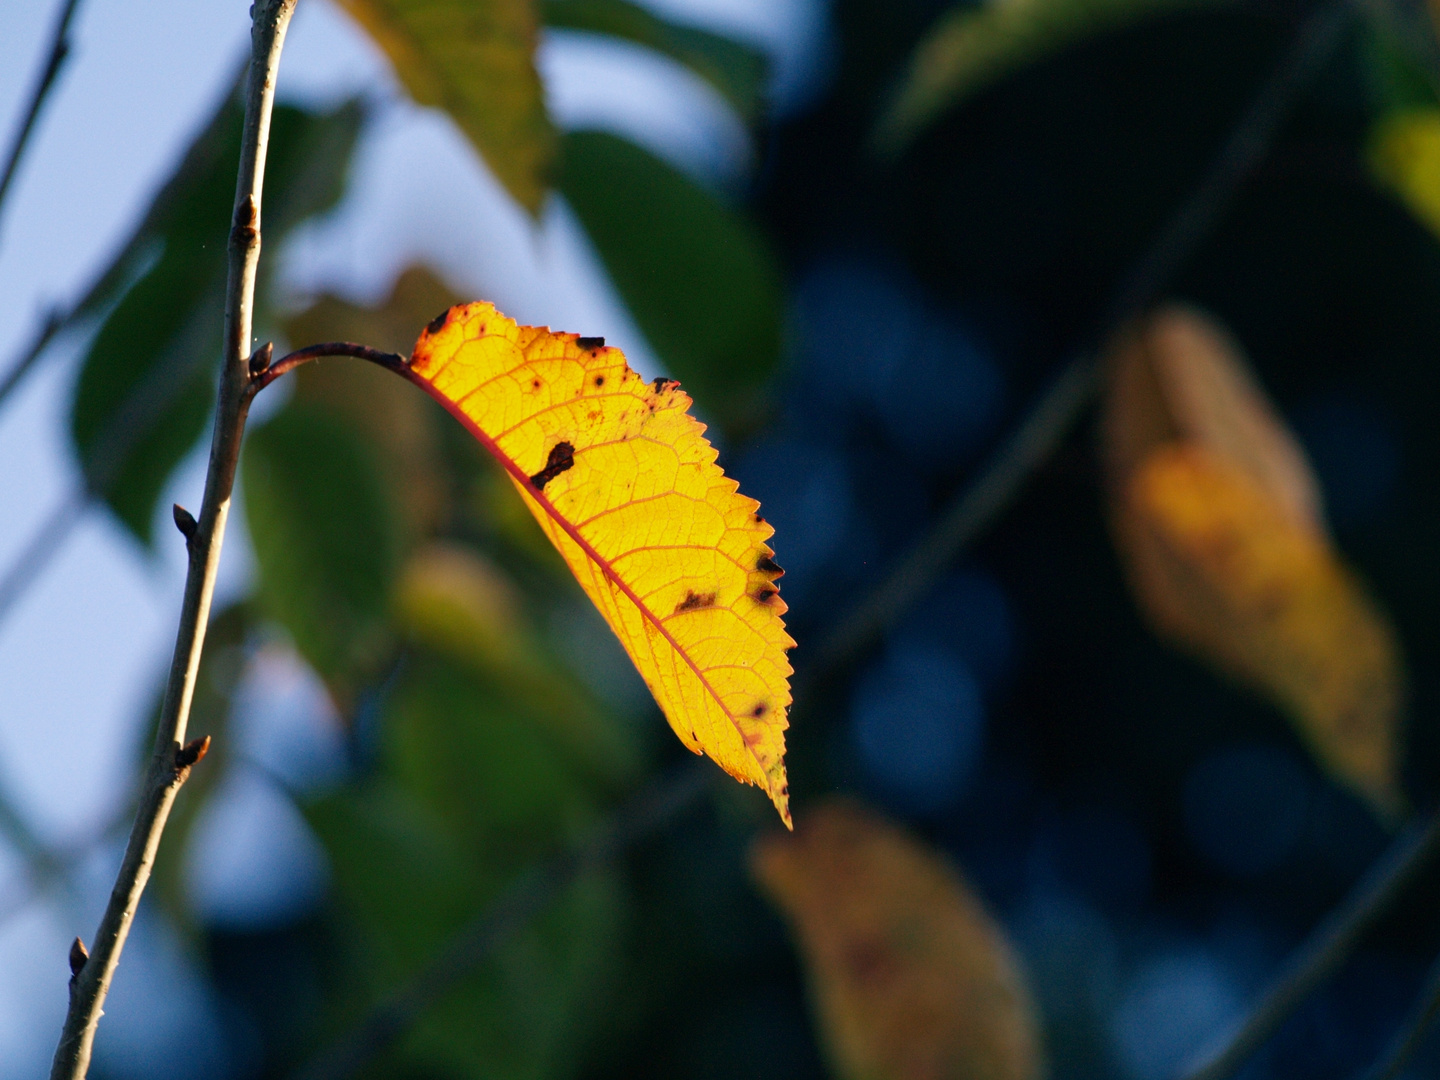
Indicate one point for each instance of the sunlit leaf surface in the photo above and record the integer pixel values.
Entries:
(621, 479)
(1217, 516)
(911, 978)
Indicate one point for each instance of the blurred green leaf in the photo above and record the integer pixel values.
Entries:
(699, 279)
(326, 540)
(971, 46)
(146, 382)
(735, 69)
(469, 791)
(475, 60)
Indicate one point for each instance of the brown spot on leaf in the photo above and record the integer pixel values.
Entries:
(766, 565)
(435, 325)
(761, 708)
(590, 342)
(662, 384)
(599, 380)
(694, 600)
(765, 593)
(534, 384)
(562, 457)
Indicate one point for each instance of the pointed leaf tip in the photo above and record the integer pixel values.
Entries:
(623, 482)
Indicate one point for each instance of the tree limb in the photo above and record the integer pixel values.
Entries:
(173, 757)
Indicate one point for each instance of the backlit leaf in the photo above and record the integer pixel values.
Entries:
(1217, 517)
(699, 279)
(910, 978)
(972, 46)
(475, 60)
(736, 70)
(624, 484)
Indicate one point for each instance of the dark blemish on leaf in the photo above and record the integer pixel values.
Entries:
(764, 594)
(590, 342)
(694, 600)
(534, 384)
(766, 565)
(759, 520)
(662, 384)
(761, 708)
(435, 325)
(599, 380)
(562, 457)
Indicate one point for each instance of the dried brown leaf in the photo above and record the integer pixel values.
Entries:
(910, 977)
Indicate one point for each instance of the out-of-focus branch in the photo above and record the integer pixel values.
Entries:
(174, 757)
(1412, 1032)
(1328, 946)
(59, 51)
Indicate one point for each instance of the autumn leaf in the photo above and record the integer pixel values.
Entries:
(1218, 519)
(910, 977)
(475, 60)
(621, 480)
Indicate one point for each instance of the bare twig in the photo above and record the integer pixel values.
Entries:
(59, 50)
(1328, 946)
(173, 756)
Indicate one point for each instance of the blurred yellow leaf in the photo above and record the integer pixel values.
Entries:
(1217, 517)
(622, 481)
(1405, 156)
(911, 978)
(475, 60)
(463, 606)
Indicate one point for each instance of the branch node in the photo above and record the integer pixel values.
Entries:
(191, 753)
(246, 227)
(185, 522)
(78, 955)
(260, 359)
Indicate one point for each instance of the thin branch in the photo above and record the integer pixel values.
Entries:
(1328, 946)
(658, 806)
(267, 374)
(59, 50)
(1412, 1032)
(174, 757)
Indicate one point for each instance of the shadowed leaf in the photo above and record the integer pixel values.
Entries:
(325, 538)
(1217, 517)
(475, 60)
(147, 381)
(699, 280)
(910, 978)
(621, 480)
(735, 69)
(970, 47)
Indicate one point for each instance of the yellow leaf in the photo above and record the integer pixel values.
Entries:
(622, 481)
(1217, 518)
(1405, 156)
(1219, 566)
(475, 60)
(910, 977)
